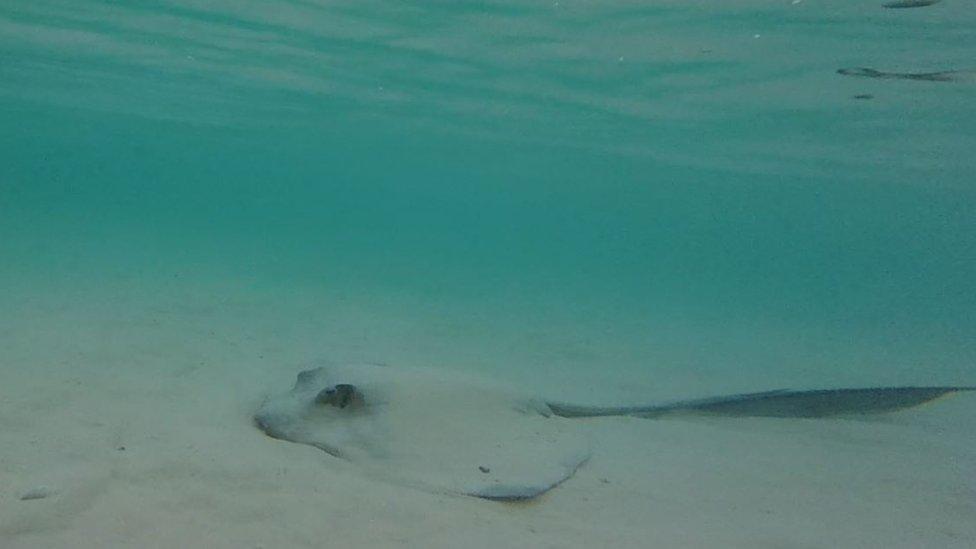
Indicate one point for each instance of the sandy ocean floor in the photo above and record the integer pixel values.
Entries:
(611, 202)
(128, 407)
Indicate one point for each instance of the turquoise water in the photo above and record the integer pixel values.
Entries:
(674, 198)
(693, 169)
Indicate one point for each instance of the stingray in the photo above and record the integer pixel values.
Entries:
(446, 432)
(436, 430)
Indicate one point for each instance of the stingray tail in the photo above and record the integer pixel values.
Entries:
(778, 403)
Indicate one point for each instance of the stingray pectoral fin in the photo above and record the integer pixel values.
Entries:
(529, 489)
(780, 403)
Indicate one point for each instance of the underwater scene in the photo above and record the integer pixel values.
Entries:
(482, 274)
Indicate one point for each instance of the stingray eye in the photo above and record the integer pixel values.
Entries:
(327, 396)
(345, 394)
(340, 395)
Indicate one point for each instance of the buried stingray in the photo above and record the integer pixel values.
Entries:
(444, 432)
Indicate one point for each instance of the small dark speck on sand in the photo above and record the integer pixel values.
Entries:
(484, 469)
(121, 448)
(604, 481)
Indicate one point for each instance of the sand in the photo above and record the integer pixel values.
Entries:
(126, 410)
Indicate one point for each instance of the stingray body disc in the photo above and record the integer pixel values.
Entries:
(431, 429)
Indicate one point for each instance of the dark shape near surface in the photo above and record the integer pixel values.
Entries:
(899, 4)
(781, 403)
(943, 76)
